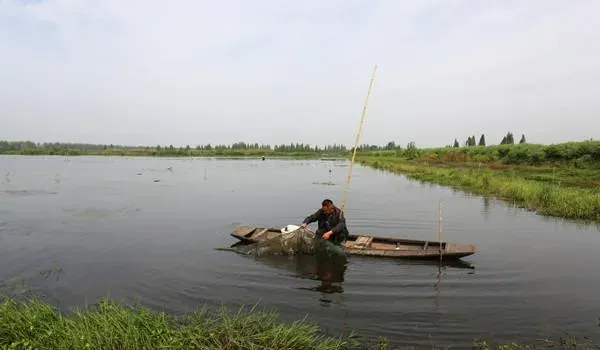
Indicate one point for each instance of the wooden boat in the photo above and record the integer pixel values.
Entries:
(367, 245)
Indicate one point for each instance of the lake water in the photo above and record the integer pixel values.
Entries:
(105, 226)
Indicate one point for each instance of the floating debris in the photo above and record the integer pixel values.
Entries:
(169, 169)
(26, 192)
(57, 271)
(328, 183)
(97, 212)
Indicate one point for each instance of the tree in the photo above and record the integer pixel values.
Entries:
(522, 139)
(456, 145)
(470, 141)
(482, 140)
(508, 139)
(411, 150)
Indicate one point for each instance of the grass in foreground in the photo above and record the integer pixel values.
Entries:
(529, 187)
(34, 324)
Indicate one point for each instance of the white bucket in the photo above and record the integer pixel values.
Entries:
(289, 228)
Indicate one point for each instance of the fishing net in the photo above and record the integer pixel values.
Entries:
(293, 240)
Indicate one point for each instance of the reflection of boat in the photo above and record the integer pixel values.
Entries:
(304, 266)
(330, 272)
(367, 245)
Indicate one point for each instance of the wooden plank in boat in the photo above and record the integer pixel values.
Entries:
(243, 230)
(260, 233)
(362, 242)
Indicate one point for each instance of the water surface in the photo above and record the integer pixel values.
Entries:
(145, 229)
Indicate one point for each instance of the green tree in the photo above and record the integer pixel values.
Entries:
(470, 141)
(456, 145)
(510, 139)
(411, 150)
(522, 139)
(482, 140)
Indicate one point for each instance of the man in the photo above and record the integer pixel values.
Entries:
(332, 224)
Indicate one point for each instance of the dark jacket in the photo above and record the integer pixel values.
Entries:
(336, 222)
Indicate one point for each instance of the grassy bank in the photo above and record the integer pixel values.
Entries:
(578, 154)
(565, 191)
(34, 324)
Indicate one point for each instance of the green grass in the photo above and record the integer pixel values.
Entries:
(575, 154)
(566, 193)
(35, 324)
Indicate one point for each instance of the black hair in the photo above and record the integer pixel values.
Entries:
(326, 201)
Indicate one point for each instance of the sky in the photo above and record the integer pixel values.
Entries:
(273, 71)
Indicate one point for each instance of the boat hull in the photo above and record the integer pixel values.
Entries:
(371, 246)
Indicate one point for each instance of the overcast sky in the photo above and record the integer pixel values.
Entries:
(193, 72)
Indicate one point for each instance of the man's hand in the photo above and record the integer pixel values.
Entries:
(303, 225)
(327, 234)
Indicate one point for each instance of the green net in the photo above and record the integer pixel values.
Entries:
(288, 242)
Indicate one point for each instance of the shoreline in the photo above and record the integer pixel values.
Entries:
(575, 201)
(35, 324)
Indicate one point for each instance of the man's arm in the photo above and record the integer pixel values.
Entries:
(340, 226)
(313, 217)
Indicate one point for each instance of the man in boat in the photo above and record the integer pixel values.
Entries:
(331, 223)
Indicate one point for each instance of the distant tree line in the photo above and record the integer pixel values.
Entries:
(582, 152)
(241, 148)
(65, 148)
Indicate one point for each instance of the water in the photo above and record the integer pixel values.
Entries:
(144, 229)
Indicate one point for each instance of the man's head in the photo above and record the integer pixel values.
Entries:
(327, 206)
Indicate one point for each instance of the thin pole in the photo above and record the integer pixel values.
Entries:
(440, 228)
(362, 119)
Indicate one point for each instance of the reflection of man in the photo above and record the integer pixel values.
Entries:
(330, 271)
(331, 223)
